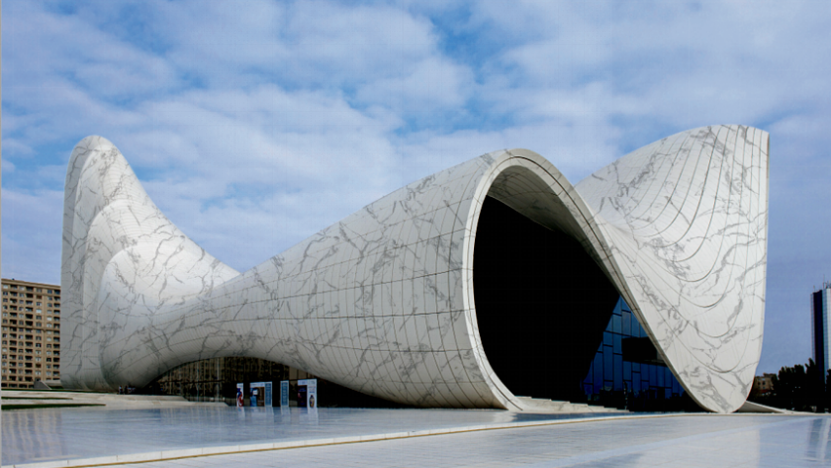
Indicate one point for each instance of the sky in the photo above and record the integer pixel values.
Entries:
(254, 124)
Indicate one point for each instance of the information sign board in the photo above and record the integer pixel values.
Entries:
(284, 394)
(240, 394)
(309, 387)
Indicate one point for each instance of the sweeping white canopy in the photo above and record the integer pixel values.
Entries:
(382, 301)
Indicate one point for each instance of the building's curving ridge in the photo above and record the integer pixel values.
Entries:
(385, 301)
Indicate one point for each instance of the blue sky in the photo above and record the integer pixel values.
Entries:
(254, 124)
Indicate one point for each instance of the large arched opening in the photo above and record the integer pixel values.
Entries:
(542, 302)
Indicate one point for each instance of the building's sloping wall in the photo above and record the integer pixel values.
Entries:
(123, 263)
(686, 220)
(382, 302)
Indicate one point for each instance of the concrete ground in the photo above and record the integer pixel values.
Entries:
(671, 442)
(108, 400)
(259, 437)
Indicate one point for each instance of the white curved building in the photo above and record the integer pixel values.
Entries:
(448, 292)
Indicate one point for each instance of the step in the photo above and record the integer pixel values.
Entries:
(531, 404)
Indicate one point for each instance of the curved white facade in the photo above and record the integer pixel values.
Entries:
(382, 302)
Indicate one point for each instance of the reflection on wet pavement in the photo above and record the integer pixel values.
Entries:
(675, 440)
(60, 434)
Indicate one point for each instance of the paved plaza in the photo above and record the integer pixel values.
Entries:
(329, 437)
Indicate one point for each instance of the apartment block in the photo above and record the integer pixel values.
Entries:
(31, 333)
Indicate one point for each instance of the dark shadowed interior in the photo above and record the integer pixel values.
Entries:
(541, 303)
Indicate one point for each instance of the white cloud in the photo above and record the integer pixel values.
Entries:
(431, 84)
(8, 167)
(32, 234)
(40, 43)
(253, 124)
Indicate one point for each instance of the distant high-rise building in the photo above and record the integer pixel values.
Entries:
(820, 326)
(31, 333)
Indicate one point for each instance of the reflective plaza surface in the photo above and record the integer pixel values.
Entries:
(346, 437)
(79, 433)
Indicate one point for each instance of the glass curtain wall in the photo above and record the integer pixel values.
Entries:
(625, 375)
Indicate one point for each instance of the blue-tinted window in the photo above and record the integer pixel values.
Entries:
(626, 319)
(618, 372)
(609, 370)
(608, 363)
(616, 327)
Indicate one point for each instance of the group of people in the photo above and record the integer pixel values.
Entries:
(241, 400)
(126, 391)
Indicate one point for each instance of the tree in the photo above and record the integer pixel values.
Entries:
(800, 388)
(827, 402)
(789, 386)
(814, 387)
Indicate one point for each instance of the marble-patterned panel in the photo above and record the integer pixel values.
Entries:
(382, 301)
(695, 298)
